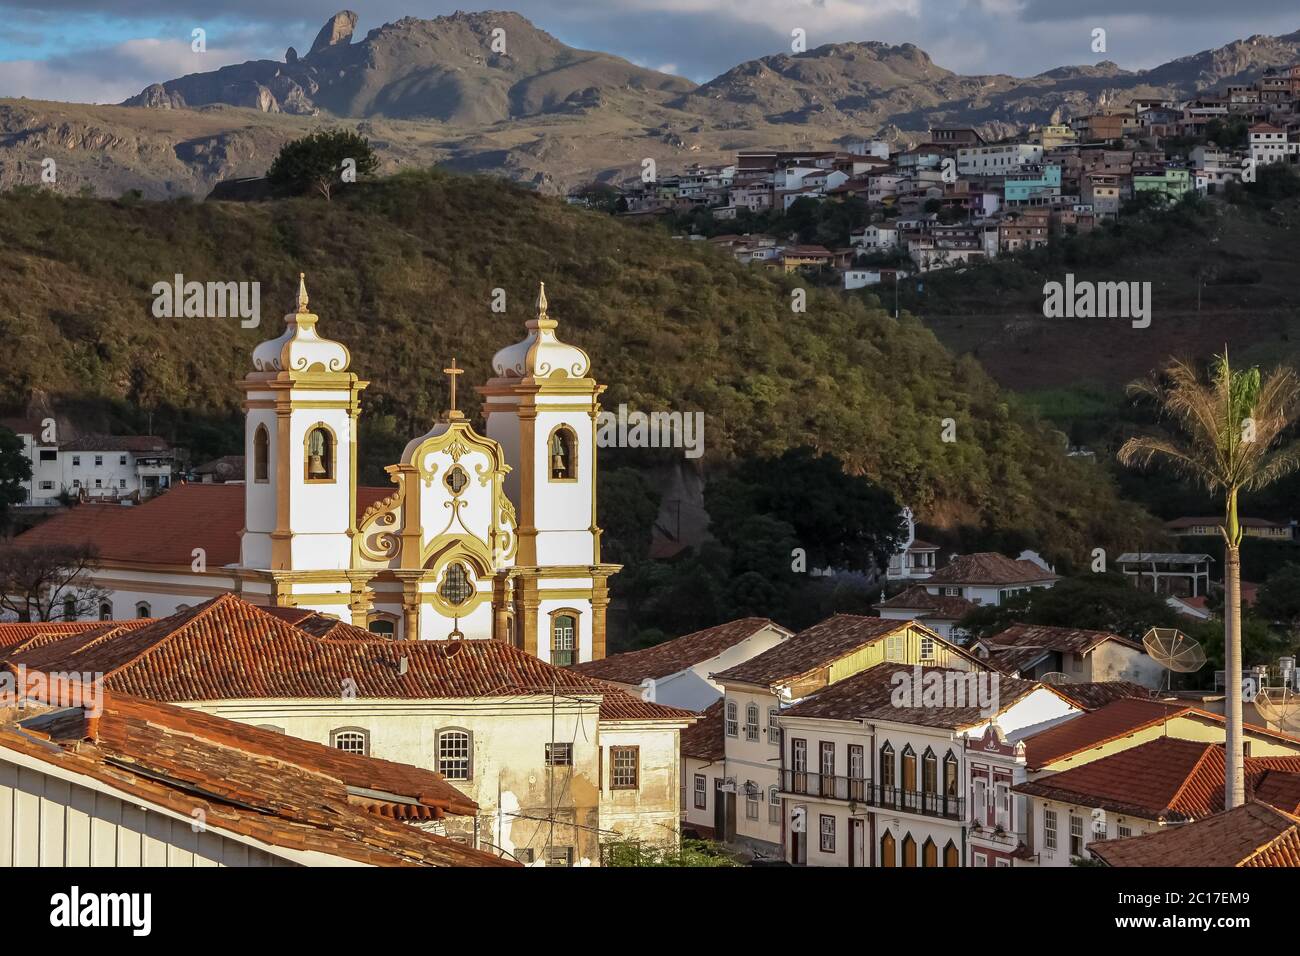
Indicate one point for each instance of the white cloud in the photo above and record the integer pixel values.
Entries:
(111, 74)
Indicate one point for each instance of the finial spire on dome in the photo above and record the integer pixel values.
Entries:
(541, 354)
(300, 348)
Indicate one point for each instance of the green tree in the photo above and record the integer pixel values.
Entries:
(15, 468)
(1095, 602)
(1279, 597)
(1234, 438)
(841, 521)
(322, 161)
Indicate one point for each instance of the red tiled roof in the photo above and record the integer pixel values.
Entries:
(18, 632)
(675, 655)
(1072, 640)
(1253, 834)
(917, 598)
(164, 530)
(869, 695)
(811, 649)
(227, 649)
(1166, 779)
(1092, 695)
(1113, 721)
(989, 567)
(282, 791)
(704, 739)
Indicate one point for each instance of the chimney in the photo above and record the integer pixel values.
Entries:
(404, 665)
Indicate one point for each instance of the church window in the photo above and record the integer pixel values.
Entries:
(261, 453)
(381, 627)
(320, 454)
(69, 608)
(456, 479)
(456, 586)
(455, 754)
(564, 641)
(143, 610)
(563, 455)
(352, 740)
(106, 611)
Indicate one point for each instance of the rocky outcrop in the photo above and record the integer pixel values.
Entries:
(337, 30)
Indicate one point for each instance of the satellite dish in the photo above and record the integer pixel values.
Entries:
(1280, 707)
(1055, 679)
(1174, 650)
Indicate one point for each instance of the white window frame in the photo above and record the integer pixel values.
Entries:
(774, 806)
(773, 728)
(701, 790)
(446, 761)
(1049, 829)
(751, 723)
(733, 718)
(351, 740)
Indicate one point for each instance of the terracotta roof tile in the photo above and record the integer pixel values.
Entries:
(811, 649)
(1253, 834)
(989, 567)
(937, 605)
(228, 649)
(1073, 640)
(1166, 779)
(1112, 721)
(675, 655)
(1120, 718)
(282, 791)
(164, 530)
(15, 633)
(869, 695)
(704, 740)
(1093, 695)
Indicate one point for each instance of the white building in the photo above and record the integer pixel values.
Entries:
(875, 767)
(523, 740)
(1270, 144)
(678, 672)
(479, 535)
(915, 559)
(104, 780)
(997, 160)
(104, 467)
(741, 791)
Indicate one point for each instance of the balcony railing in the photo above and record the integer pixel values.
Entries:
(859, 790)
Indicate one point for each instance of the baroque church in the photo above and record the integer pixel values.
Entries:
(484, 535)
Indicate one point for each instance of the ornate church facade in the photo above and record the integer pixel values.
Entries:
(483, 535)
(487, 536)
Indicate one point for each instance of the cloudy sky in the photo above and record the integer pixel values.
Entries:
(103, 51)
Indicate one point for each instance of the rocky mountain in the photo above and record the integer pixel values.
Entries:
(465, 69)
(490, 92)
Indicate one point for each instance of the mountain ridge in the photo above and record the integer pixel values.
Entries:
(548, 115)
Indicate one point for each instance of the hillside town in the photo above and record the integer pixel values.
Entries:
(955, 198)
(445, 684)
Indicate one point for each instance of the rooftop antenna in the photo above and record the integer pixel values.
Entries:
(1175, 652)
(1280, 706)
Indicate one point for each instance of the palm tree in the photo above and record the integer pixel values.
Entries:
(1233, 428)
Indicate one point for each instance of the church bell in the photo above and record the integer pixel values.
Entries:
(315, 467)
